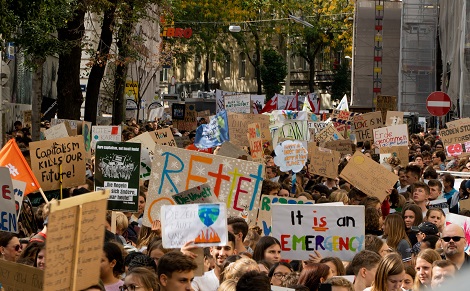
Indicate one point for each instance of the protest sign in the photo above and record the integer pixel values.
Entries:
(177, 111)
(48, 155)
(358, 173)
(257, 102)
(385, 103)
(71, 125)
(19, 188)
(458, 122)
(27, 114)
(219, 99)
(189, 122)
(15, 276)
(75, 236)
(333, 231)
(291, 155)
(329, 133)
(238, 103)
(293, 130)
(230, 150)
(198, 194)
(214, 133)
(235, 182)
(441, 204)
(394, 118)
(205, 224)
(238, 124)
(265, 213)
(395, 135)
(204, 113)
(401, 152)
(117, 169)
(365, 123)
(315, 127)
(56, 131)
(455, 150)
(455, 135)
(9, 217)
(344, 147)
(256, 142)
(163, 136)
(105, 133)
(323, 162)
(147, 151)
(84, 129)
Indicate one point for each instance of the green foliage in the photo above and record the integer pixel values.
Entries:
(341, 81)
(273, 72)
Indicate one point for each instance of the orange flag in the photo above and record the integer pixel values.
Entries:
(12, 158)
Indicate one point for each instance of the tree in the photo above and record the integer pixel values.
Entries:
(273, 72)
(341, 81)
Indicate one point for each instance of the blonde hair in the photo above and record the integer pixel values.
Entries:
(339, 195)
(228, 285)
(236, 269)
(121, 221)
(389, 265)
(395, 228)
(430, 256)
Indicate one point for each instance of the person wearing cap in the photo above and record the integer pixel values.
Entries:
(423, 230)
(453, 243)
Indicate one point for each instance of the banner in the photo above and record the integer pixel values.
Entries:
(12, 158)
(198, 194)
(105, 133)
(333, 231)
(205, 224)
(214, 133)
(323, 162)
(117, 169)
(9, 216)
(238, 124)
(235, 182)
(395, 135)
(75, 237)
(368, 176)
(265, 213)
(238, 103)
(365, 123)
(59, 161)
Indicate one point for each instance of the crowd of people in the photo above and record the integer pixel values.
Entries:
(408, 245)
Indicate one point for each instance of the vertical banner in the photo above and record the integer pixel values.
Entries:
(9, 217)
(117, 169)
(235, 182)
(333, 231)
(256, 142)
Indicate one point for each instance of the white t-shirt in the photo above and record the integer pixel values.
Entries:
(206, 282)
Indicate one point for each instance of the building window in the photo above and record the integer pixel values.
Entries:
(197, 67)
(242, 66)
(164, 75)
(183, 68)
(227, 65)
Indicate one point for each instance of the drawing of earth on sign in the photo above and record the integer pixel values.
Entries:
(208, 214)
(117, 166)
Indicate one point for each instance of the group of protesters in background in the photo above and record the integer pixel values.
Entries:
(408, 245)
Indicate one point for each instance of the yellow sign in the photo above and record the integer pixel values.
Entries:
(132, 90)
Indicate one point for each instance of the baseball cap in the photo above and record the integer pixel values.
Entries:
(427, 228)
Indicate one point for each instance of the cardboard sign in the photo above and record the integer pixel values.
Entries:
(329, 133)
(296, 130)
(72, 125)
(323, 162)
(14, 276)
(230, 150)
(235, 182)
(205, 224)
(457, 134)
(344, 147)
(256, 142)
(75, 236)
(182, 141)
(265, 213)
(458, 122)
(399, 152)
(365, 123)
(189, 121)
(315, 127)
(198, 194)
(395, 135)
(56, 131)
(48, 155)
(8, 214)
(394, 118)
(147, 151)
(334, 231)
(105, 133)
(291, 155)
(205, 114)
(117, 169)
(368, 176)
(163, 136)
(19, 188)
(238, 103)
(27, 118)
(238, 124)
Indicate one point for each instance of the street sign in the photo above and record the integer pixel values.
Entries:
(438, 103)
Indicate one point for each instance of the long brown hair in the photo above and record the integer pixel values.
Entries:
(394, 230)
(430, 256)
(389, 265)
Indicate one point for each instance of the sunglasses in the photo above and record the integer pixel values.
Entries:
(454, 238)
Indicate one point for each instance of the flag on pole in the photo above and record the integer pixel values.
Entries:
(270, 105)
(313, 102)
(343, 104)
(12, 158)
(214, 133)
(293, 103)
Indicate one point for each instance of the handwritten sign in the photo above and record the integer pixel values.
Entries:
(205, 224)
(189, 122)
(117, 169)
(235, 182)
(163, 136)
(333, 231)
(72, 125)
(14, 276)
(344, 147)
(238, 103)
(238, 124)
(315, 127)
(198, 194)
(329, 133)
(458, 122)
(9, 217)
(455, 150)
(256, 142)
(457, 134)
(47, 155)
(291, 155)
(75, 236)
(394, 118)
(105, 133)
(358, 173)
(265, 212)
(401, 152)
(231, 150)
(365, 123)
(395, 135)
(19, 188)
(323, 162)
(56, 131)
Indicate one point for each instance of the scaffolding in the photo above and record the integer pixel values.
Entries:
(417, 73)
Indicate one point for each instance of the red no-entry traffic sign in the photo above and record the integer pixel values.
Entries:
(438, 103)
